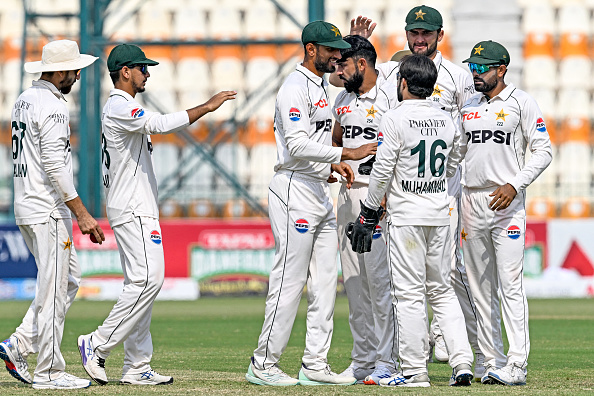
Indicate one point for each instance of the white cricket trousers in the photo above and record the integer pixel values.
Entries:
(141, 254)
(58, 278)
(367, 283)
(493, 249)
(459, 277)
(421, 275)
(304, 229)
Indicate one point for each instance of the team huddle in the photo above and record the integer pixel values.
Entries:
(430, 158)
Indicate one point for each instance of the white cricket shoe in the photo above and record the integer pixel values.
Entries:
(414, 381)
(66, 381)
(381, 371)
(358, 372)
(479, 367)
(461, 375)
(93, 364)
(485, 380)
(441, 351)
(273, 376)
(149, 377)
(508, 375)
(16, 364)
(323, 377)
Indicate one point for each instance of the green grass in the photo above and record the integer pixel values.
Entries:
(206, 346)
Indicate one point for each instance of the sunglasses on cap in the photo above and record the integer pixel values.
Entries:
(480, 69)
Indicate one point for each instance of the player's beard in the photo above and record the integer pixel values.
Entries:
(66, 84)
(138, 88)
(486, 86)
(354, 83)
(323, 65)
(399, 91)
(429, 51)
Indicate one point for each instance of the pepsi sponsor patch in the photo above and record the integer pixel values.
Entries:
(137, 112)
(302, 226)
(540, 125)
(513, 232)
(294, 114)
(377, 233)
(380, 138)
(156, 237)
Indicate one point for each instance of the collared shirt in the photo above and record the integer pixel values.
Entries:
(497, 133)
(128, 174)
(359, 117)
(303, 126)
(420, 149)
(42, 161)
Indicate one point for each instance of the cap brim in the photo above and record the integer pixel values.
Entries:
(422, 25)
(77, 64)
(398, 55)
(481, 61)
(146, 61)
(340, 44)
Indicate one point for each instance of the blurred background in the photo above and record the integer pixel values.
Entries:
(215, 175)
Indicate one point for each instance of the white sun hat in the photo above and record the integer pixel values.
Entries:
(60, 55)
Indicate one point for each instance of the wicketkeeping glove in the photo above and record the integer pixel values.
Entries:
(366, 167)
(360, 233)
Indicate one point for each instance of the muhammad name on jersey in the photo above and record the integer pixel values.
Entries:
(424, 187)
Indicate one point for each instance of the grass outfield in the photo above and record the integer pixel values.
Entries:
(206, 346)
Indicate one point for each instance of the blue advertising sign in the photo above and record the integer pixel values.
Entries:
(16, 261)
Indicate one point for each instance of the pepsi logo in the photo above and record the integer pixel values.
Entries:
(513, 232)
(540, 125)
(294, 114)
(302, 226)
(377, 233)
(380, 138)
(156, 237)
(136, 113)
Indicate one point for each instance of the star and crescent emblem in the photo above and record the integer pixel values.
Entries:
(67, 244)
(420, 14)
(437, 91)
(477, 50)
(335, 30)
(371, 112)
(501, 115)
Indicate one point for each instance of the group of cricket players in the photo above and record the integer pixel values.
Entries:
(431, 161)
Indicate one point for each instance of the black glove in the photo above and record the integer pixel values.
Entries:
(366, 167)
(360, 233)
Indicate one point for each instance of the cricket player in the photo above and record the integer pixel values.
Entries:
(499, 124)
(358, 111)
(453, 88)
(132, 211)
(421, 147)
(302, 217)
(44, 200)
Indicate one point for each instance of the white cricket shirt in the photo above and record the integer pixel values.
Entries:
(496, 135)
(128, 175)
(303, 126)
(42, 161)
(359, 117)
(420, 149)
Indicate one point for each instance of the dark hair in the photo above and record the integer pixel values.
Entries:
(115, 76)
(420, 74)
(360, 48)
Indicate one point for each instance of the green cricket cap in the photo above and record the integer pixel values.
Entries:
(423, 17)
(127, 55)
(323, 33)
(488, 53)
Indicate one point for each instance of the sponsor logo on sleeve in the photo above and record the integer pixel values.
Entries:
(294, 114)
(137, 112)
(540, 125)
(513, 232)
(380, 138)
(156, 237)
(302, 226)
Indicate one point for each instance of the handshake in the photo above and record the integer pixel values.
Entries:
(360, 233)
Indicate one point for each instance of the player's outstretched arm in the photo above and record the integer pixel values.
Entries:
(211, 105)
(359, 153)
(362, 26)
(86, 222)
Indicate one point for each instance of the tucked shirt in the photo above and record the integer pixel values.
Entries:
(497, 132)
(303, 126)
(128, 174)
(42, 159)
